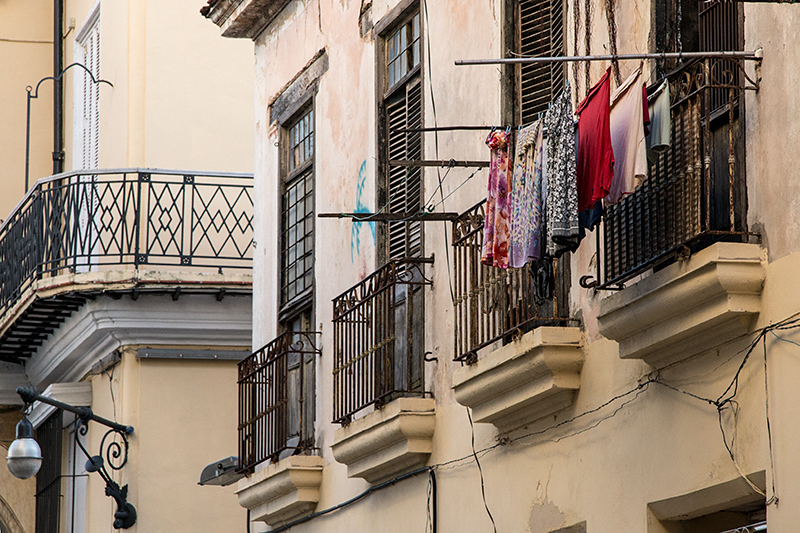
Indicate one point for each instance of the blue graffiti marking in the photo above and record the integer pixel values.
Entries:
(355, 232)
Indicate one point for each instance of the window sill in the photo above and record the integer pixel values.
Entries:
(689, 307)
(283, 491)
(524, 381)
(387, 442)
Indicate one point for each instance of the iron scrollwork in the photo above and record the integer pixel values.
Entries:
(113, 453)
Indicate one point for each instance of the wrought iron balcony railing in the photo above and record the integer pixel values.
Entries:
(137, 218)
(378, 332)
(493, 303)
(694, 194)
(276, 399)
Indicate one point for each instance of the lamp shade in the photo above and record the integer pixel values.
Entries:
(24, 455)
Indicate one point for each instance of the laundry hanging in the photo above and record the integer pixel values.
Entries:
(562, 182)
(496, 224)
(595, 166)
(527, 196)
(660, 121)
(627, 138)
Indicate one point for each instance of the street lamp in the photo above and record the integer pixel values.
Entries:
(25, 456)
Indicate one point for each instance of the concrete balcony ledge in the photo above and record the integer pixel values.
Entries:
(388, 442)
(689, 307)
(283, 491)
(523, 381)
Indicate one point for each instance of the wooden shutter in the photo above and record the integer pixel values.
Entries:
(404, 110)
(541, 33)
(91, 99)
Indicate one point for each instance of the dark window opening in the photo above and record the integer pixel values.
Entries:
(48, 480)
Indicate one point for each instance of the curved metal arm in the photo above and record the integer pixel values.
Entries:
(61, 75)
(36, 95)
(112, 452)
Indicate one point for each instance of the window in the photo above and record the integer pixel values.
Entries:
(48, 480)
(297, 277)
(297, 215)
(540, 33)
(87, 104)
(401, 108)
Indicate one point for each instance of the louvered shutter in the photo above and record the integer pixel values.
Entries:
(91, 99)
(541, 34)
(404, 110)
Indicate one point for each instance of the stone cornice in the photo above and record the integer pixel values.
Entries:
(243, 19)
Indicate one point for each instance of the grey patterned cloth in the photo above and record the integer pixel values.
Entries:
(563, 231)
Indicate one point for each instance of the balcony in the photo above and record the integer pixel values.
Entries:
(77, 235)
(494, 304)
(680, 240)
(378, 328)
(276, 400)
(695, 192)
(378, 339)
(530, 350)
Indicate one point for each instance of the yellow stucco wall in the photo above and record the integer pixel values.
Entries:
(184, 414)
(26, 49)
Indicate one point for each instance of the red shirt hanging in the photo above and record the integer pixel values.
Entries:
(595, 154)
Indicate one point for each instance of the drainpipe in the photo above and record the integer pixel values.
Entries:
(58, 86)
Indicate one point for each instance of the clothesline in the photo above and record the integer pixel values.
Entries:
(756, 55)
(449, 128)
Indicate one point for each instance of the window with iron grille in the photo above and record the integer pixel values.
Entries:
(297, 213)
(276, 383)
(48, 480)
(401, 188)
(540, 33)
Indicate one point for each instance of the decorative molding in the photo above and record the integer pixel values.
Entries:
(689, 307)
(11, 376)
(282, 491)
(296, 93)
(243, 19)
(104, 325)
(523, 381)
(387, 442)
(77, 394)
(88, 23)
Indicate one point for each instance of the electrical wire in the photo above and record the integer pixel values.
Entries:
(480, 471)
(436, 145)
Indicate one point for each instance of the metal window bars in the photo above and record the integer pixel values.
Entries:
(493, 303)
(378, 339)
(691, 197)
(138, 218)
(276, 399)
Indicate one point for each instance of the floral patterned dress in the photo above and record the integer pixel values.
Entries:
(527, 197)
(495, 226)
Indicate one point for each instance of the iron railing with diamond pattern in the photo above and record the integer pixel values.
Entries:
(142, 218)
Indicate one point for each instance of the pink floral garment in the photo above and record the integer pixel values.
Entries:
(495, 226)
(526, 197)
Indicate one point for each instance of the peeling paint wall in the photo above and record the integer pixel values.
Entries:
(604, 467)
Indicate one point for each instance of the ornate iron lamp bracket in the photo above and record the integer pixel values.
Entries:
(113, 452)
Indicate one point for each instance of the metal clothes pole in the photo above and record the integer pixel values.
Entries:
(747, 55)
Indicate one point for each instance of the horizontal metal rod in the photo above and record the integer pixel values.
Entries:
(30, 395)
(749, 55)
(387, 217)
(450, 128)
(434, 163)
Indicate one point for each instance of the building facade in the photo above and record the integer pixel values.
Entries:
(125, 278)
(641, 383)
